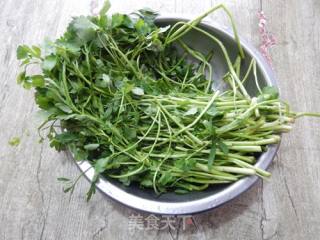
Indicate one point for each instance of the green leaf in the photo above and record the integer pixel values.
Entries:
(127, 22)
(103, 81)
(208, 125)
(270, 92)
(148, 15)
(27, 84)
(125, 181)
(165, 178)
(37, 81)
(141, 27)
(223, 147)
(48, 47)
(67, 117)
(146, 182)
(105, 8)
(66, 137)
(138, 91)
(36, 51)
(164, 29)
(14, 142)
(43, 115)
(111, 148)
(212, 154)
(21, 77)
(63, 107)
(212, 111)
(91, 146)
(181, 191)
(117, 20)
(72, 46)
(155, 46)
(77, 86)
(23, 52)
(191, 111)
(84, 28)
(25, 61)
(91, 191)
(42, 101)
(107, 113)
(101, 164)
(185, 164)
(103, 24)
(130, 133)
(63, 179)
(127, 87)
(68, 188)
(49, 62)
(80, 154)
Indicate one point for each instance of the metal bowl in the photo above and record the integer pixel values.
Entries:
(171, 203)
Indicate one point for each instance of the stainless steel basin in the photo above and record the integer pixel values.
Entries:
(171, 203)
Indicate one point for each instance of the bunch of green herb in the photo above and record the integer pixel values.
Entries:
(118, 93)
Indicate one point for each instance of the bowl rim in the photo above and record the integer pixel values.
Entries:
(209, 202)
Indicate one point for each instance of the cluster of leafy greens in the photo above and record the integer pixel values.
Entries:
(116, 92)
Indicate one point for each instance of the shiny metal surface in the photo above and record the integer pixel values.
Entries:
(173, 204)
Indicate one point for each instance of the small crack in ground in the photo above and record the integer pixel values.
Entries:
(101, 229)
(288, 190)
(263, 216)
(290, 197)
(195, 223)
(38, 175)
(45, 216)
(178, 227)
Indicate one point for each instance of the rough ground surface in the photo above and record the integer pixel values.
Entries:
(32, 205)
